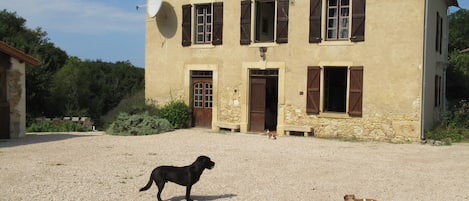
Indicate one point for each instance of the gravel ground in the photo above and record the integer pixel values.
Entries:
(95, 166)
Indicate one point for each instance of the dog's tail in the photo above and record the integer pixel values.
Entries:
(146, 187)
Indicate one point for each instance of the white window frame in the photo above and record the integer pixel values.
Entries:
(204, 21)
(340, 24)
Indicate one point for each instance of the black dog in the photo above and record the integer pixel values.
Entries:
(185, 176)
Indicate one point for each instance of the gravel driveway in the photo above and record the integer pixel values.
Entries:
(95, 166)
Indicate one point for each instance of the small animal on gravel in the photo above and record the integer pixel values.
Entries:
(184, 176)
(272, 135)
(352, 198)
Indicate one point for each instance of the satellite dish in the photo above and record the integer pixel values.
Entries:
(153, 6)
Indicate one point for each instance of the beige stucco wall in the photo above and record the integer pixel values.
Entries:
(392, 57)
(17, 98)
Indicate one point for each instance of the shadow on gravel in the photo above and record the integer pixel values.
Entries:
(203, 197)
(39, 138)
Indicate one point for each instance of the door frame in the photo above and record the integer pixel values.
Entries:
(262, 115)
(197, 79)
(4, 104)
(187, 90)
(245, 79)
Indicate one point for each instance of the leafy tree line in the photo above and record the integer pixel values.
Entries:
(458, 71)
(64, 85)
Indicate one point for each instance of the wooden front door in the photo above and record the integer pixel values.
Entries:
(257, 104)
(202, 99)
(4, 106)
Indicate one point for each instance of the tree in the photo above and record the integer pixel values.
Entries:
(458, 77)
(458, 70)
(458, 30)
(14, 32)
(92, 88)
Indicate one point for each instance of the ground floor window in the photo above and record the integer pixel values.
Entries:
(335, 89)
(339, 85)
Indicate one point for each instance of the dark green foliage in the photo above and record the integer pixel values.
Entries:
(138, 124)
(176, 112)
(66, 86)
(458, 76)
(458, 30)
(52, 126)
(134, 104)
(94, 87)
(458, 70)
(14, 32)
(455, 126)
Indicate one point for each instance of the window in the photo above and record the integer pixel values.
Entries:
(203, 95)
(337, 19)
(338, 84)
(264, 25)
(337, 26)
(335, 89)
(265, 28)
(203, 24)
(439, 32)
(437, 90)
(208, 24)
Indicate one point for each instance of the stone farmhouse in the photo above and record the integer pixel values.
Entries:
(13, 91)
(364, 69)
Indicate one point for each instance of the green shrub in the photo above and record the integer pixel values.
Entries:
(134, 104)
(138, 124)
(52, 126)
(177, 113)
(454, 126)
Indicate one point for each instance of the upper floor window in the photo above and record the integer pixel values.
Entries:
(345, 19)
(439, 32)
(203, 24)
(337, 19)
(270, 21)
(208, 24)
(264, 24)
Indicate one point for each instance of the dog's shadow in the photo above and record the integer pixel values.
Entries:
(203, 197)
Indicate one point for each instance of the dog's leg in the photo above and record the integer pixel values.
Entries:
(188, 192)
(160, 185)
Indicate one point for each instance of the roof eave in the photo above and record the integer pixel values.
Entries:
(21, 56)
(452, 3)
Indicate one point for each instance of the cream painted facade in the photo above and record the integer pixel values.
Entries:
(398, 57)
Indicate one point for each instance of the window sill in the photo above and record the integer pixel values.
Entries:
(333, 115)
(269, 44)
(202, 46)
(336, 43)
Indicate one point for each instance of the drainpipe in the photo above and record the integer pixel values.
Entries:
(424, 81)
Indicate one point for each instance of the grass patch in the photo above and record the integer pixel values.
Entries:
(53, 126)
(454, 127)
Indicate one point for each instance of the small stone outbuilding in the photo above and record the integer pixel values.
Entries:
(13, 91)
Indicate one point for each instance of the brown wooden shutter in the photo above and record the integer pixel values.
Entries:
(313, 90)
(245, 22)
(282, 21)
(356, 91)
(217, 23)
(437, 41)
(358, 20)
(315, 13)
(186, 25)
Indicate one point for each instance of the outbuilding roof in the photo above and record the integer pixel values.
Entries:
(452, 3)
(18, 54)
